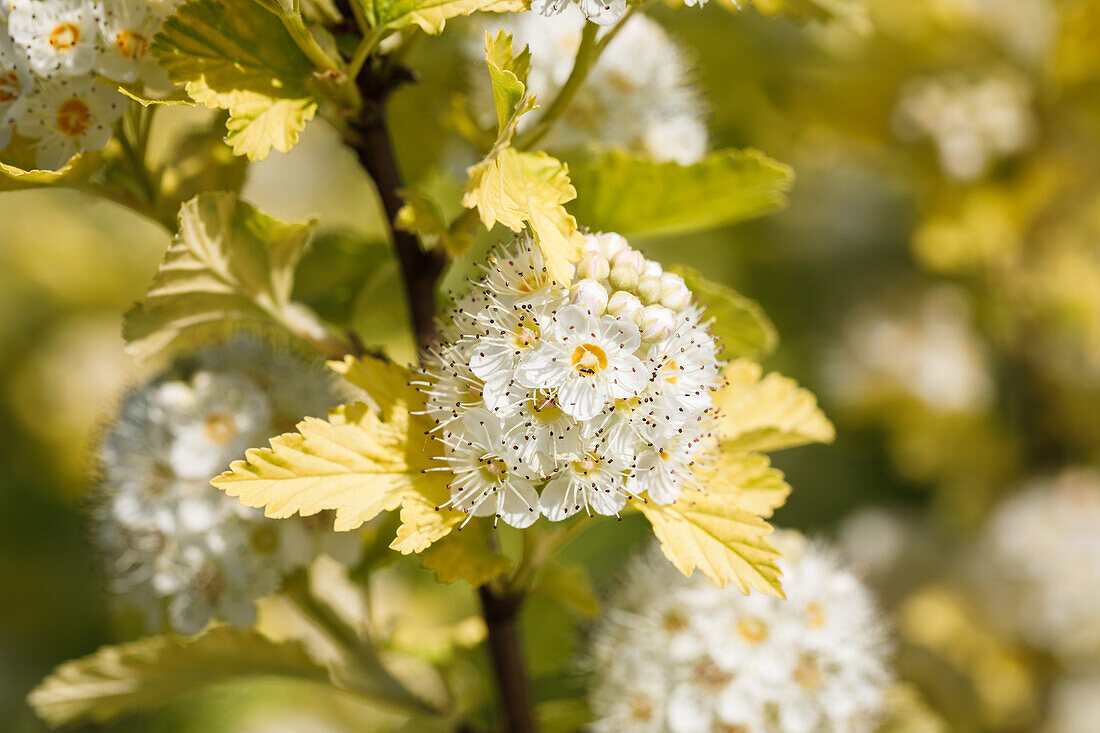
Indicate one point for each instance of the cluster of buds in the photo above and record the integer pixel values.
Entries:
(552, 400)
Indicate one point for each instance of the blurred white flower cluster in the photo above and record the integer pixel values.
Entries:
(681, 655)
(638, 96)
(558, 400)
(176, 548)
(1025, 28)
(1075, 705)
(931, 355)
(51, 52)
(972, 121)
(1042, 549)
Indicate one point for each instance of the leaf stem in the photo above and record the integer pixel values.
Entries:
(296, 26)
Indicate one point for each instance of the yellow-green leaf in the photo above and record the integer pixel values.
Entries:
(422, 520)
(229, 266)
(740, 324)
(76, 171)
(387, 383)
(637, 196)
(465, 555)
(769, 413)
(716, 529)
(570, 586)
(763, 488)
(430, 15)
(515, 189)
(508, 73)
(144, 674)
(239, 57)
(906, 712)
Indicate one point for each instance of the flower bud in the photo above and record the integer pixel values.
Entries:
(593, 266)
(674, 293)
(652, 267)
(657, 322)
(623, 277)
(649, 289)
(589, 294)
(630, 258)
(611, 243)
(625, 305)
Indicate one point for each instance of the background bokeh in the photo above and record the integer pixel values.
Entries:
(935, 280)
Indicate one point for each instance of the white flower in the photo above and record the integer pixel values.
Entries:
(1040, 565)
(15, 84)
(69, 116)
(58, 36)
(639, 95)
(571, 399)
(681, 655)
(601, 12)
(1074, 705)
(177, 548)
(971, 121)
(127, 28)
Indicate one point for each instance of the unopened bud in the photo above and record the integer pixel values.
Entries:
(652, 267)
(623, 277)
(625, 305)
(593, 266)
(630, 258)
(657, 322)
(611, 243)
(589, 294)
(674, 293)
(649, 289)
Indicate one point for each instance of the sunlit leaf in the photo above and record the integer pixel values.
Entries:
(422, 216)
(465, 555)
(239, 57)
(430, 15)
(740, 324)
(76, 171)
(769, 413)
(145, 674)
(570, 586)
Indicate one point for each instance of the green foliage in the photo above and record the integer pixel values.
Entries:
(465, 555)
(229, 266)
(144, 674)
(429, 15)
(635, 196)
(237, 56)
(76, 171)
(740, 324)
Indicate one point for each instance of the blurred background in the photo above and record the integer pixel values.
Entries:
(935, 280)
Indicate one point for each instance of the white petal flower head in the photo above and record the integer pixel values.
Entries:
(556, 398)
(126, 28)
(69, 116)
(813, 663)
(1040, 566)
(16, 83)
(177, 549)
(59, 36)
(639, 96)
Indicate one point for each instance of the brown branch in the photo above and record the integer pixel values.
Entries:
(420, 269)
(500, 613)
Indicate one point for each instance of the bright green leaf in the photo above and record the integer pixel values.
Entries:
(740, 324)
(508, 73)
(145, 674)
(422, 216)
(229, 266)
(635, 196)
(239, 57)
(430, 15)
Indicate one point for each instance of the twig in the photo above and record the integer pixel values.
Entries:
(500, 612)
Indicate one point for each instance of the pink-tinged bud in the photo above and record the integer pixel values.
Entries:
(674, 293)
(593, 266)
(657, 322)
(625, 305)
(623, 277)
(590, 295)
(649, 289)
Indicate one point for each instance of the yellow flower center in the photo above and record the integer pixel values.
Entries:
(752, 629)
(815, 615)
(220, 429)
(589, 360)
(132, 45)
(709, 675)
(641, 707)
(673, 622)
(586, 465)
(808, 673)
(494, 467)
(545, 407)
(264, 539)
(64, 36)
(9, 86)
(73, 117)
(525, 335)
(670, 371)
(531, 283)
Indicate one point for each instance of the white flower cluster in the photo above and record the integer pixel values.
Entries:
(681, 655)
(971, 121)
(558, 400)
(1042, 564)
(178, 549)
(639, 95)
(1074, 705)
(50, 54)
(601, 12)
(932, 355)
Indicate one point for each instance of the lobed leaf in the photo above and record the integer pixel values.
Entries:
(229, 265)
(387, 383)
(718, 528)
(465, 555)
(767, 414)
(740, 324)
(637, 196)
(237, 56)
(141, 675)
